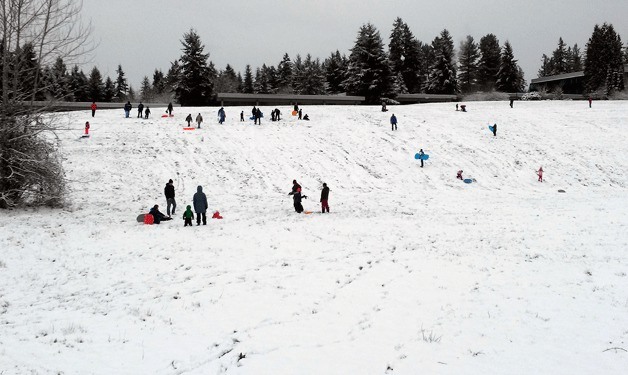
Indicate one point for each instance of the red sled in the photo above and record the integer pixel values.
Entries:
(189, 128)
(149, 219)
(216, 215)
(164, 116)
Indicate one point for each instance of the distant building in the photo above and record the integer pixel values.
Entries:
(570, 83)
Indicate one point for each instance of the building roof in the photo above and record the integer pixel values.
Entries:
(288, 97)
(559, 77)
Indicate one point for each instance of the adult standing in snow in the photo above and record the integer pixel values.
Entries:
(94, 107)
(140, 110)
(393, 122)
(200, 205)
(511, 102)
(495, 130)
(258, 116)
(296, 107)
(278, 114)
(221, 115)
(590, 101)
(169, 110)
(189, 120)
(146, 112)
(169, 192)
(254, 115)
(325, 198)
(242, 116)
(540, 174)
(199, 120)
(127, 109)
(300, 113)
(296, 196)
(421, 154)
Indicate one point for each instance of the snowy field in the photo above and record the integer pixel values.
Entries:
(413, 272)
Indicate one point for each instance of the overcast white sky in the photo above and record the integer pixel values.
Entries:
(145, 34)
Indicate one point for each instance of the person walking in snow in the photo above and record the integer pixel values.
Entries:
(277, 114)
(590, 101)
(188, 215)
(540, 174)
(325, 198)
(421, 154)
(300, 114)
(169, 110)
(86, 127)
(94, 107)
(146, 112)
(258, 116)
(200, 206)
(393, 122)
(140, 110)
(199, 120)
(127, 109)
(495, 130)
(254, 115)
(511, 102)
(242, 116)
(169, 193)
(221, 115)
(189, 120)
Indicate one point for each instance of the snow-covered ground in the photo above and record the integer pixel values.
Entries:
(413, 272)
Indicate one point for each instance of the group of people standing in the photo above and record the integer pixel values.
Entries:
(199, 201)
(297, 197)
(142, 112)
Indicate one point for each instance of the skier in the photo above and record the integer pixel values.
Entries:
(325, 198)
(393, 122)
(127, 109)
(94, 107)
(258, 116)
(169, 110)
(188, 215)
(540, 174)
(241, 116)
(421, 153)
(86, 127)
(169, 193)
(200, 206)
(199, 120)
(459, 175)
(158, 216)
(495, 130)
(300, 113)
(146, 112)
(221, 115)
(140, 110)
(189, 120)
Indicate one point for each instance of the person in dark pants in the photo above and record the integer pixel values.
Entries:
(200, 205)
(421, 153)
(254, 115)
(272, 115)
(241, 116)
(169, 193)
(169, 110)
(189, 120)
(277, 114)
(94, 107)
(127, 109)
(258, 116)
(188, 215)
(325, 198)
(158, 216)
(590, 101)
(146, 112)
(140, 110)
(495, 130)
(300, 114)
(511, 102)
(393, 122)
(296, 107)
(296, 196)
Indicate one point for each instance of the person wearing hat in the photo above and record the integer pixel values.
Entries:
(188, 215)
(169, 192)
(325, 198)
(200, 205)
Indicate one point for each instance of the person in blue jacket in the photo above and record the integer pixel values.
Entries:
(393, 122)
(200, 205)
(127, 109)
(221, 115)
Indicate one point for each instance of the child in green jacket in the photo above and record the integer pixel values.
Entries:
(188, 215)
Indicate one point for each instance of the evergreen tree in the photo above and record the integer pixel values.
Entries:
(426, 56)
(489, 62)
(146, 90)
(227, 80)
(260, 86)
(173, 76)
(240, 83)
(159, 82)
(131, 94)
(313, 80)
(509, 76)
(368, 70)
(576, 59)
(121, 85)
(298, 75)
(546, 67)
(468, 58)
(404, 55)
(284, 75)
(398, 85)
(442, 78)
(60, 81)
(96, 86)
(335, 70)
(604, 60)
(109, 91)
(78, 85)
(195, 86)
(560, 59)
(247, 87)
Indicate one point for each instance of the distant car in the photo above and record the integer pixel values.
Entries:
(531, 96)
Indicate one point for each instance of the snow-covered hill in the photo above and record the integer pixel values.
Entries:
(412, 272)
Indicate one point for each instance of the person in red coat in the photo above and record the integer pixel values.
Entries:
(94, 108)
(86, 127)
(540, 174)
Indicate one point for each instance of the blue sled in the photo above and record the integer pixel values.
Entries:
(468, 180)
(418, 157)
(490, 128)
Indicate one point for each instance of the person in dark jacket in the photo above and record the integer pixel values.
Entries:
(272, 115)
(511, 102)
(188, 215)
(94, 108)
(384, 109)
(189, 120)
(169, 192)
(278, 114)
(495, 130)
(296, 196)
(296, 107)
(258, 116)
(140, 110)
(127, 109)
(421, 154)
(254, 114)
(393, 122)
(200, 206)
(169, 110)
(241, 116)
(158, 216)
(295, 187)
(221, 115)
(325, 198)
(146, 112)
(300, 114)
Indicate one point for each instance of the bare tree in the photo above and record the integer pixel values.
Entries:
(33, 34)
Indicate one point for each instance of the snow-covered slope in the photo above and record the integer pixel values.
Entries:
(412, 272)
